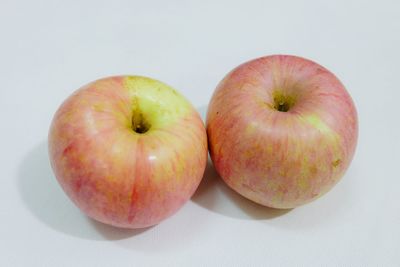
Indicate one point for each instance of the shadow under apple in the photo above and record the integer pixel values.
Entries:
(44, 198)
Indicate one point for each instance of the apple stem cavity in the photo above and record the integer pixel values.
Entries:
(283, 103)
(139, 124)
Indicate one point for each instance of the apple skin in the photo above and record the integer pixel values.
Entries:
(115, 174)
(275, 158)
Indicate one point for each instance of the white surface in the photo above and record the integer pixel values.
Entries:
(50, 48)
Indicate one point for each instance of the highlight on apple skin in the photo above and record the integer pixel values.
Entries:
(282, 130)
(129, 151)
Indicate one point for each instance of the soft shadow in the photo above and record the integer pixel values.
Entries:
(114, 233)
(45, 199)
(202, 110)
(173, 234)
(213, 194)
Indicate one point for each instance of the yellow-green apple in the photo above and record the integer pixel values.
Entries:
(282, 130)
(128, 150)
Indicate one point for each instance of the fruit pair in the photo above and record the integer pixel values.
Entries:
(130, 151)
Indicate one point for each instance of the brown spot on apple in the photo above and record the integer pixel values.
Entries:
(336, 163)
(313, 169)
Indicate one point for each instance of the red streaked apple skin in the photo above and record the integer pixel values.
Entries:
(115, 175)
(281, 159)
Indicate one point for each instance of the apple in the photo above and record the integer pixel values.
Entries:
(282, 130)
(129, 151)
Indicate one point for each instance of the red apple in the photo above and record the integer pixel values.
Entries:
(129, 151)
(282, 130)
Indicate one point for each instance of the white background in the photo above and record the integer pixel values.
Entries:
(50, 48)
